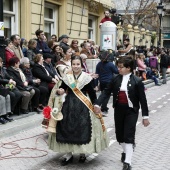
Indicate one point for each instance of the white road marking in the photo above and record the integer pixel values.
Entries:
(160, 106)
(153, 111)
(168, 99)
(159, 98)
(167, 93)
(163, 95)
(153, 101)
(165, 102)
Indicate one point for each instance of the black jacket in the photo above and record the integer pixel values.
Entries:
(39, 71)
(50, 69)
(4, 76)
(16, 77)
(135, 89)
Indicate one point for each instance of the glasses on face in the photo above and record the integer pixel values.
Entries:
(120, 67)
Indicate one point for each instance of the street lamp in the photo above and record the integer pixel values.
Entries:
(160, 10)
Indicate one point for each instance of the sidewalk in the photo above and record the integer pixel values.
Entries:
(31, 120)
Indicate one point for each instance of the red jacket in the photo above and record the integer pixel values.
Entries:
(9, 54)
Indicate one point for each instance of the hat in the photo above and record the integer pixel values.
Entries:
(46, 55)
(63, 36)
(83, 56)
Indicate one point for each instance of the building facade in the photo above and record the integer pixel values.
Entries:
(166, 24)
(79, 19)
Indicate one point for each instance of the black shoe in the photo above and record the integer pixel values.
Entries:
(126, 166)
(66, 162)
(2, 120)
(22, 111)
(6, 117)
(123, 157)
(38, 110)
(82, 159)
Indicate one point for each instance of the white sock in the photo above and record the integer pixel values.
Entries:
(123, 147)
(68, 156)
(129, 152)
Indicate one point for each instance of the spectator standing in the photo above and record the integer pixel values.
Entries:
(164, 62)
(75, 48)
(16, 40)
(9, 53)
(31, 52)
(105, 70)
(54, 38)
(64, 41)
(24, 46)
(141, 66)
(127, 46)
(57, 53)
(87, 51)
(106, 18)
(42, 46)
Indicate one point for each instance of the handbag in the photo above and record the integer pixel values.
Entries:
(4, 91)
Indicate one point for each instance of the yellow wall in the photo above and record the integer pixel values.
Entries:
(71, 23)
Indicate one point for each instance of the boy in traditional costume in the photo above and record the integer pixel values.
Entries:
(128, 93)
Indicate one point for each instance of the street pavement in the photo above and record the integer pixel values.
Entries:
(27, 150)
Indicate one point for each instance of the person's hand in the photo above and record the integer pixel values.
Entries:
(60, 91)
(145, 122)
(96, 88)
(56, 77)
(96, 109)
(54, 80)
(12, 82)
(25, 83)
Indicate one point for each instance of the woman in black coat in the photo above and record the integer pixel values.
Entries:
(21, 83)
(41, 73)
(6, 79)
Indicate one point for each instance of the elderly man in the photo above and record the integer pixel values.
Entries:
(63, 41)
(16, 40)
(87, 50)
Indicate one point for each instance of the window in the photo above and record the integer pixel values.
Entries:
(92, 27)
(50, 20)
(10, 17)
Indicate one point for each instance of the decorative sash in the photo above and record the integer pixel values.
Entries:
(83, 98)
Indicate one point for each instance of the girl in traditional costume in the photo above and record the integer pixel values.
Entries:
(81, 129)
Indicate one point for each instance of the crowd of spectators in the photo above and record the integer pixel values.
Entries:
(32, 67)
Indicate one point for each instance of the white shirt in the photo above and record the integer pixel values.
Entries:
(124, 87)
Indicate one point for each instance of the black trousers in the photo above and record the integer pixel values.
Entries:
(125, 123)
(15, 96)
(40, 96)
(104, 107)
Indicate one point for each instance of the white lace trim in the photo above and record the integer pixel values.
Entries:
(83, 80)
